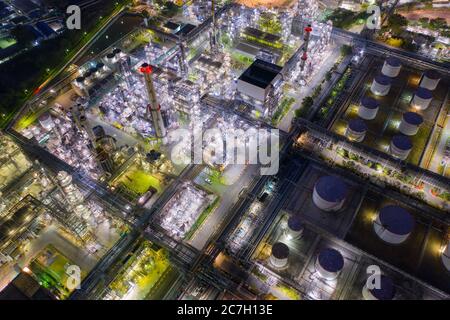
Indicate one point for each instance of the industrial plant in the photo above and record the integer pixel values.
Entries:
(229, 150)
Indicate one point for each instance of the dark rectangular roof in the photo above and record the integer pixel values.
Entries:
(261, 73)
(186, 29)
(171, 25)
(45, 29)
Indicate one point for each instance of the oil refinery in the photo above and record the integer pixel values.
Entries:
(229, 150)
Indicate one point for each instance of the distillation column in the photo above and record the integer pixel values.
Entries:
(154, 108)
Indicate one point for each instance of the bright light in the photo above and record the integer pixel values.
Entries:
(26, 270)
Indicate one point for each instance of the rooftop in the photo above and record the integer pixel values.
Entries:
(261, 73)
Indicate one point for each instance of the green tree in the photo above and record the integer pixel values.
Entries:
(23, 35)
(397, 22)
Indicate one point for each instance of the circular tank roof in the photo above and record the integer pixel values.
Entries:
(369, 102)
(393, 61)
(383, 80)
(402, 142)
(331, 188)
(280, 250)
(386, 290)
(357, 125)
(331, 260)
(413, 118)
(424, 93)
(110, 55)
(396, 220)
(117, 50)
(295, 223)
(432, 74)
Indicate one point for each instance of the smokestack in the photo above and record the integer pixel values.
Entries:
(304, 57)
(213, 35)
(153, 107)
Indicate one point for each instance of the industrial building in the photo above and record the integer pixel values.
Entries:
(260, 86)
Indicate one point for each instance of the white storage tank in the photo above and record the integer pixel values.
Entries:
(393, 224)
(295, 227)
(46, 121)
(368, 108)
(381, 85)
(401, 146)
(446, 256)
(391, 67)
(356, 130)
(410, 123)
(329, 263)
(430, 79)
(329, 193)
(280, 254)
(110, 59)
(386, 291)
(422, 98)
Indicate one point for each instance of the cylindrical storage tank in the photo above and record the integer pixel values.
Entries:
(46, 121)
(356, 130)
(446, 256)
(368, 108)
(80, 82)
(110, 58)
(280, 254)
(381, 85)
(391, 67)
(386, 291)
(393, 224)
(410, 123)
(88, 75)
(295, 227)
(118, 53)
(329, 193)
(329, 263)
(430, 79)
(422, 98)
(401, 146)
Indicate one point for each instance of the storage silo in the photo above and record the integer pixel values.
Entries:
(381, 85)
(280, 254)
(391, 67)
(329, 193)
(295, 227)
(446, 256)
(79, 86)
(329, 263)
(422, 98)
(393, 224)
(401, 146)
(46, 121)
(368, 108)
(356, 130)
(430, 79)
(386, 291)
(410, 123)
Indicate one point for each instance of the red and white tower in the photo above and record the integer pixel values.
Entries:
(153, 108)
(307, 35)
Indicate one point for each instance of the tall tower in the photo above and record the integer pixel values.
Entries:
(154, 108)
(213, 35)
(182, 59)
(307, 35)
